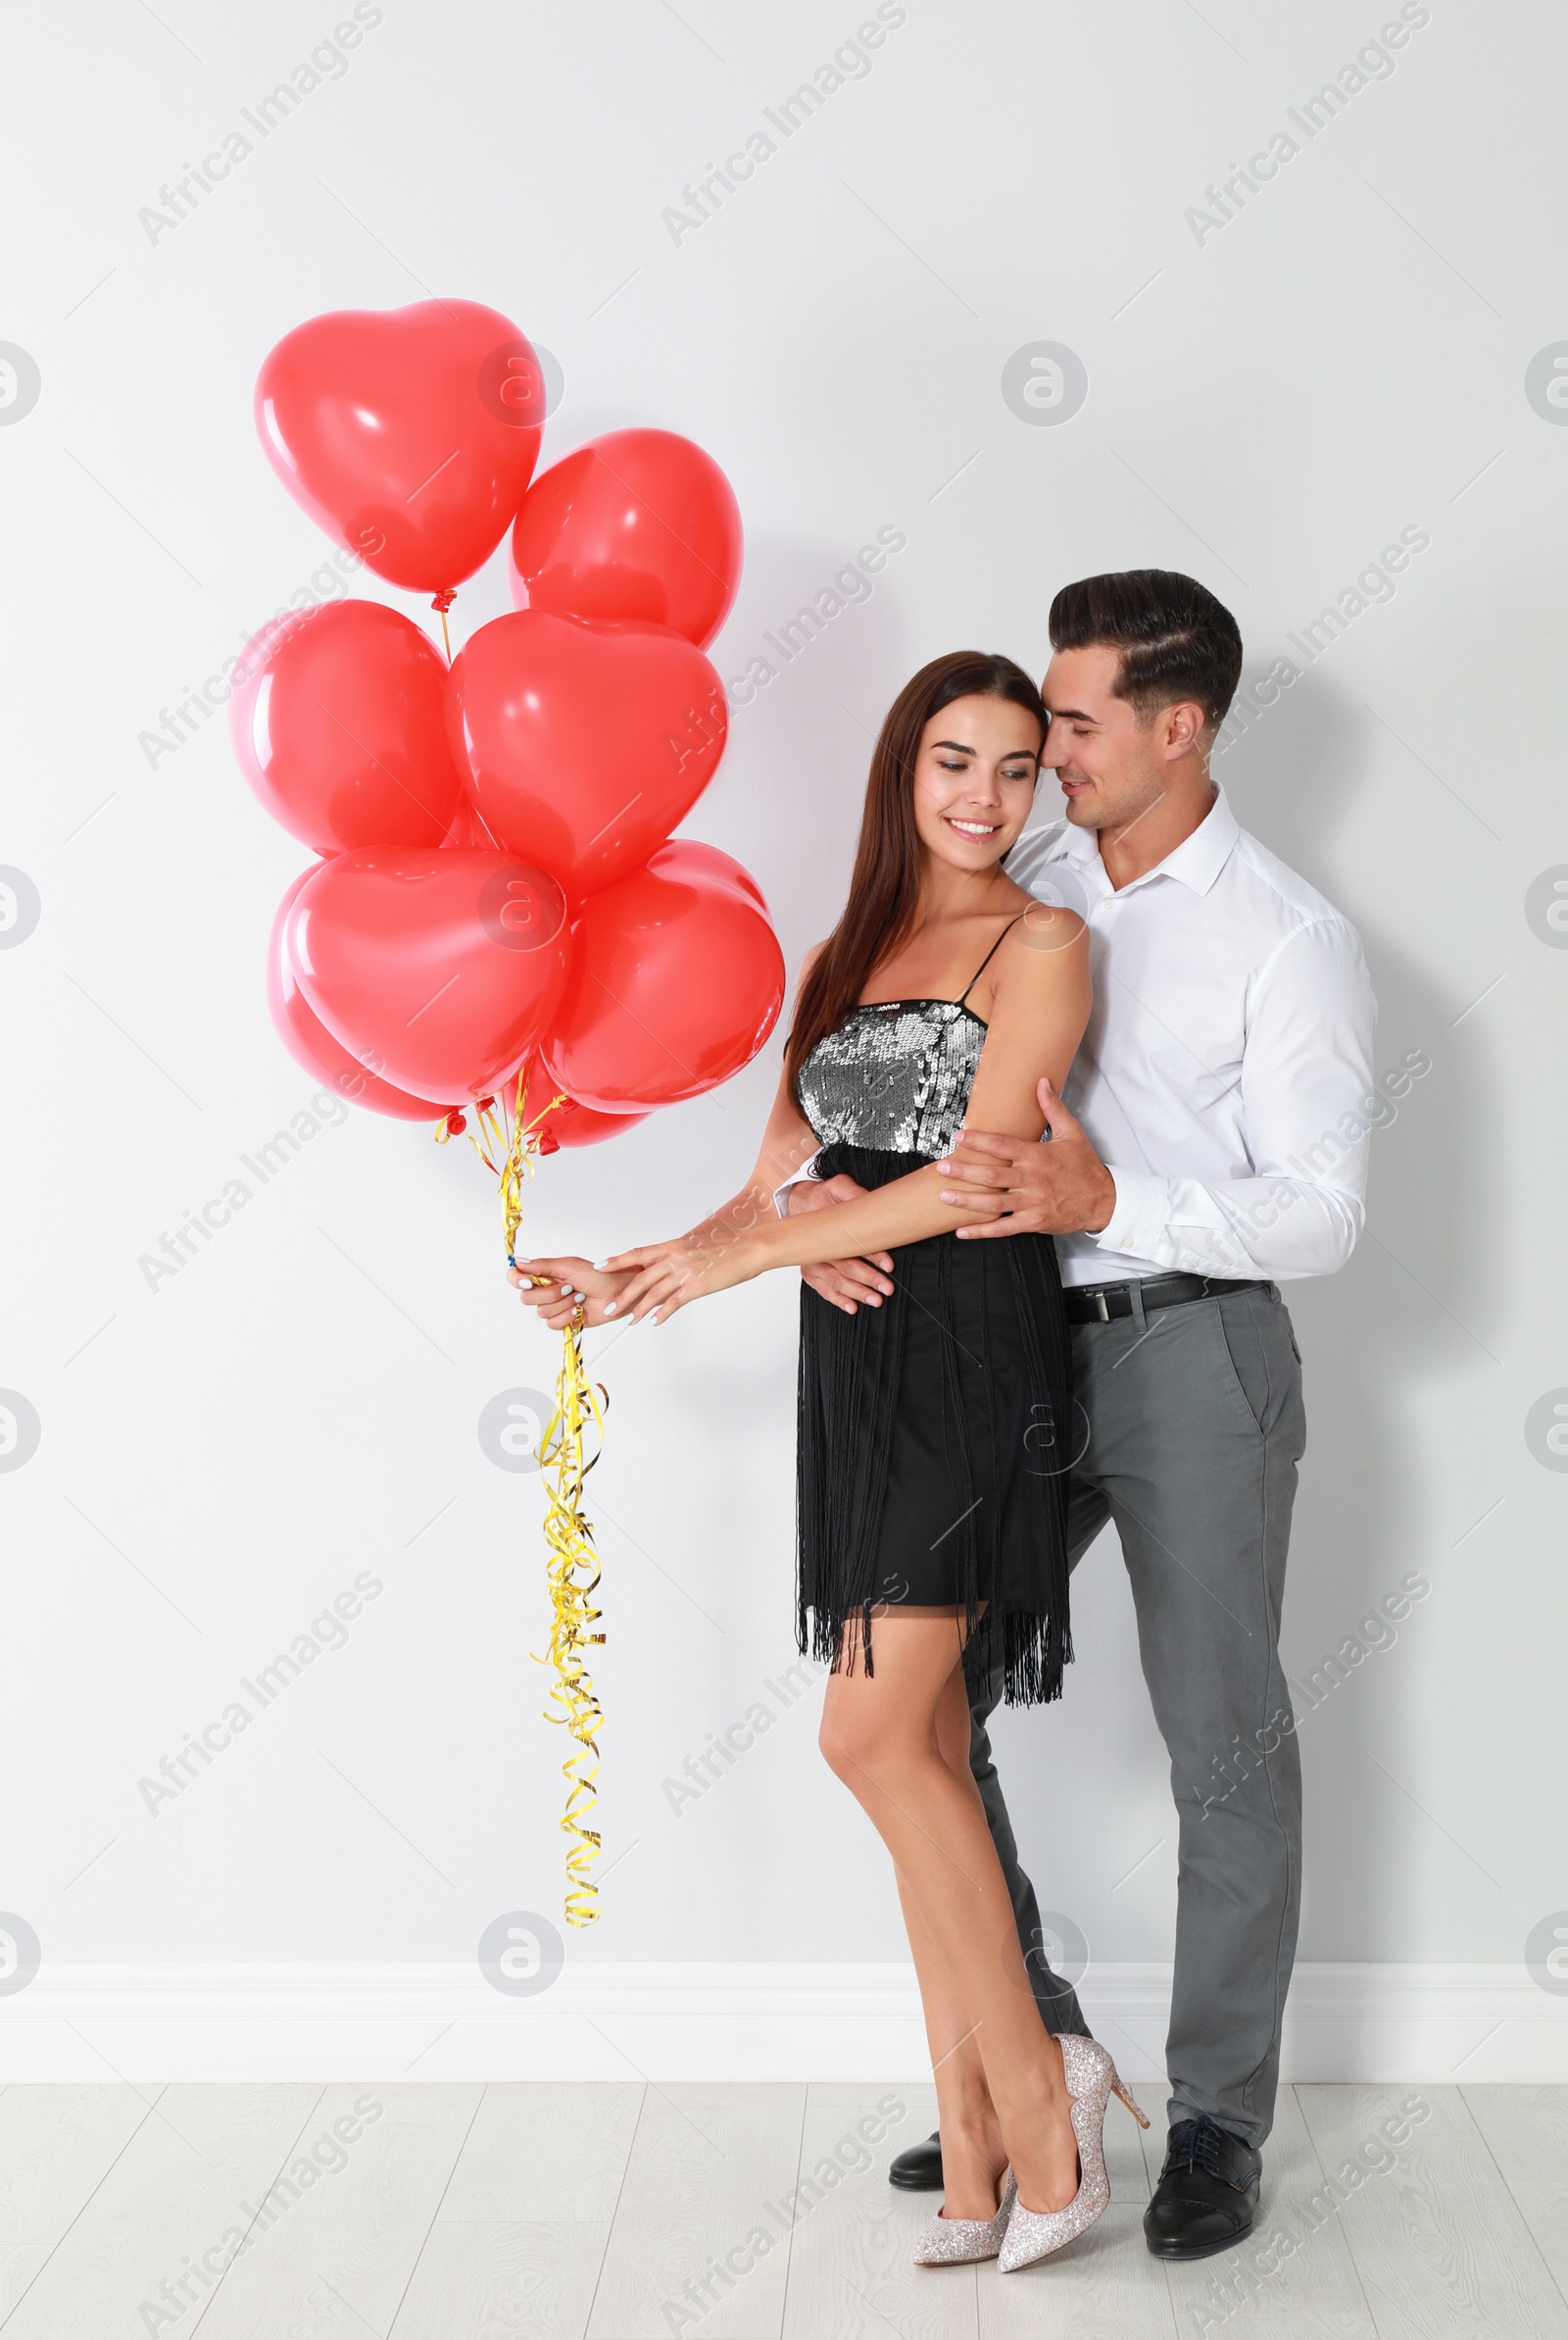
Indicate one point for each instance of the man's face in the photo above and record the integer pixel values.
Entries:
(1111, 767)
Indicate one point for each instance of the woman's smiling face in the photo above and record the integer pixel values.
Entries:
(974, 781)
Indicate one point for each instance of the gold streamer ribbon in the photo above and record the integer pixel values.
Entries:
(509, 1142)
(573, 1573)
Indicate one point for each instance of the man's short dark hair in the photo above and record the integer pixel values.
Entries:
(1176, 640)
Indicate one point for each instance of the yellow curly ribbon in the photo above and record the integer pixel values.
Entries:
(507, 1144)
(573, 1573)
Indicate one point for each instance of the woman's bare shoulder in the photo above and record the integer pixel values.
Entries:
(1044, 960)
(1042, 931)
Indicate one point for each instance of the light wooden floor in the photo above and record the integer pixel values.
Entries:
(581, 2214)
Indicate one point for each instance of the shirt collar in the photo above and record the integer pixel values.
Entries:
(1199, 858)
(1196, 861)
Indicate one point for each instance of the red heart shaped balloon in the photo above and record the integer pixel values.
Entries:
(339, 728)
(310, 1044)
(676, 981)
(465, 826)
(689, 856)
(443, 962)
(583, 743)
(637, 524)
(569, 1123)
(409, 435)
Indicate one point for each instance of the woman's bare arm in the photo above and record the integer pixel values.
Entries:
(787, 1142)
(565, 1283)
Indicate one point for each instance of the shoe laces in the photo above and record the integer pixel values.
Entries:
(1196, 2144)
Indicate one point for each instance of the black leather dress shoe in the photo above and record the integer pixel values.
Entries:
(1207, 2192)
(918, 2167)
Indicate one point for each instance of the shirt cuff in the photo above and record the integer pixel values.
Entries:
(808, 1170)
(1137, 1222)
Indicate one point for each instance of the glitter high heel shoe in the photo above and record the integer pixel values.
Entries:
(1091, 2075)
(949, 2242)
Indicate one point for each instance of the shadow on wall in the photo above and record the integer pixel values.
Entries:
(1413, 1311)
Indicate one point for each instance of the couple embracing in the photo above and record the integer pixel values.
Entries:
(1006, 1343)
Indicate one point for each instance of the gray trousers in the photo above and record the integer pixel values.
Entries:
(1191, 1430)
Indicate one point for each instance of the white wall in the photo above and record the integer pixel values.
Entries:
(1268, 407)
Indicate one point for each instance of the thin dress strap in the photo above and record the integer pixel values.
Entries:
(986, 960)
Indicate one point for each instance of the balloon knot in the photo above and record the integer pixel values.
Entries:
(456, 1124)
(443, 600)
(486, 1103)
(547, 1142)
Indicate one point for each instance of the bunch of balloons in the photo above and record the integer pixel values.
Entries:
(498, 894)
(499, 917)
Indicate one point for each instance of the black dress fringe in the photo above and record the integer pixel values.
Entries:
(935, 1436)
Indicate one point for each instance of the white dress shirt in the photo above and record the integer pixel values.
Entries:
(1225, 1077)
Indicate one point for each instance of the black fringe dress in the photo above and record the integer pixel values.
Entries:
(936, 1432)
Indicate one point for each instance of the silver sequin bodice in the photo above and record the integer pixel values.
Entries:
(896, 1076)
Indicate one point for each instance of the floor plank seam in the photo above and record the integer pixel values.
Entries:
(1525, 2220)
(794, 2194)
(425, 2243)
(299, 2133)
(1145, 2146)
(87, 2204)
(1350, 2248)
(610, 2224)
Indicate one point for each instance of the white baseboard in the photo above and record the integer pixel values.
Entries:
(605, 2021)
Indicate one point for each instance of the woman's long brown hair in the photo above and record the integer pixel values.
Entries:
(885, 889)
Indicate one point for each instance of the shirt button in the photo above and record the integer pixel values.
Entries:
(1126, 1243)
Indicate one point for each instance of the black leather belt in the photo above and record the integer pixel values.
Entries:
(1100, 1304)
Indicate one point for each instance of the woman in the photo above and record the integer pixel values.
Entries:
(933, 1424)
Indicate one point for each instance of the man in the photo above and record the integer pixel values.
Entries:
(1211, 1145)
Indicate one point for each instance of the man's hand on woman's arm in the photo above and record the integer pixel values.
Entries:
(1059, 1188)
(847, 1283)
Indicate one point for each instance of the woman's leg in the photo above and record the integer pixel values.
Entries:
(884, 1734)
(974, 2152)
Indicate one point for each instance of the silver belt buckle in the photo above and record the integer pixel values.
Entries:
(1103, 1310)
